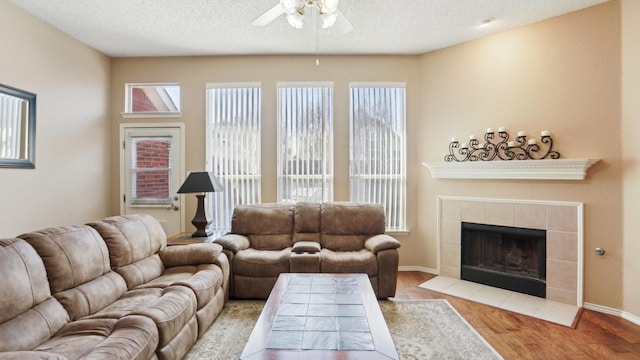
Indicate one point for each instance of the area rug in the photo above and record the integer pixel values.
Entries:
(424, 329)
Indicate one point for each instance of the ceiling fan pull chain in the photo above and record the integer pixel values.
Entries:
(317, 39)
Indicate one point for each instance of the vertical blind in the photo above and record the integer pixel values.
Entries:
(10, 126)
(233, 148)
(305, 142)
(378, 149)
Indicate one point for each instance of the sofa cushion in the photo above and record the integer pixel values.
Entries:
(205, 280)
(306, 222)
(362, 261)
(30, 315)
(24, 278)
(72, 255)
(267, 226)
(77, 263)
(346, 226)
(131, 337)
(306, 246)
(170, 308)
(92, 296)
(33, 327)
(141, 271)
(30, 355)
(131, 238)
(261, 263)
(133, 242)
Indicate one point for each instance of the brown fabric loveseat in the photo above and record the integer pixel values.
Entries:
(269, 239)
(110, 289)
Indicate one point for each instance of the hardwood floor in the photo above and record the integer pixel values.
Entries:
(515, 336)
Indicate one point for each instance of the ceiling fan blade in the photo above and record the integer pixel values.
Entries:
(268, 16)
(342, 25)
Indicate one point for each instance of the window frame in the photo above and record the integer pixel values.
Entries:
(327, 161)
(128, 101)
(401, 214)
(137, 170)
(213, 202)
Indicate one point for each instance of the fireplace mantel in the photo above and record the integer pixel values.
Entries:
(558, 169)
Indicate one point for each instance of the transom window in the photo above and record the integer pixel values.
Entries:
(152, 100)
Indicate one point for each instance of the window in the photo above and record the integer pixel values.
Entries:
(305, 142)
(233, 148)
(12, 110)
(152, 100)
(378, 149)
(150, 169)
(17, 128)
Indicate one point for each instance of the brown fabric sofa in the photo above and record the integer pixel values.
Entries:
(269, 239)
(110, 289)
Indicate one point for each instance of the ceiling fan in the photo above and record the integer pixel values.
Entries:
(327, 11)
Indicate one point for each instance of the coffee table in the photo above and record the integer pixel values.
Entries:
(321, 316)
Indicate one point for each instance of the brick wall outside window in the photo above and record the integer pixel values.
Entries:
(141, 102)
(152, 154)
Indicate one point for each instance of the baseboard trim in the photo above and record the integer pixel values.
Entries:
(602, 309)
(611, 311)
(418, 268)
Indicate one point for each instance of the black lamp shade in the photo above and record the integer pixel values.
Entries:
(200, 182)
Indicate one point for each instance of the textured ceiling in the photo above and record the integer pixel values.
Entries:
(123, 28)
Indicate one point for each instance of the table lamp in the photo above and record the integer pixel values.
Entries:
(200, 182)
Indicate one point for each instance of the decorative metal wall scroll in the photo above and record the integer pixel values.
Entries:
(498, 146)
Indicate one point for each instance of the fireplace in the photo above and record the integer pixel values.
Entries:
(505, 257)
(562, 221)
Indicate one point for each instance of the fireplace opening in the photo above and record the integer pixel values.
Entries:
(505, 257)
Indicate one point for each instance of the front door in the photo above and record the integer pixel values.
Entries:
(152, 171)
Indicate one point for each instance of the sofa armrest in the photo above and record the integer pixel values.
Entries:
(233, 242)
(381, 242)
(306, 246)
(193, 254)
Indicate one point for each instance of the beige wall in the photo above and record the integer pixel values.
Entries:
(561, 75)
(70, 183)
(631, 156)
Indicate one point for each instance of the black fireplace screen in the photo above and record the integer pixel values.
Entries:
(505, 257)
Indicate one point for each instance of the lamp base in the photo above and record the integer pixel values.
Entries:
(202, 233)
(200, 219)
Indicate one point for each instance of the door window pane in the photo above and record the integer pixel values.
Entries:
(151, 170)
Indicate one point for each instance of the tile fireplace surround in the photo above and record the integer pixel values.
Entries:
(561, 220)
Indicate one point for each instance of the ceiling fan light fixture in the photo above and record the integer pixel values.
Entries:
(292, 6)
(295, 19)
(326, 10)
(328, 6)
(328, 20)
